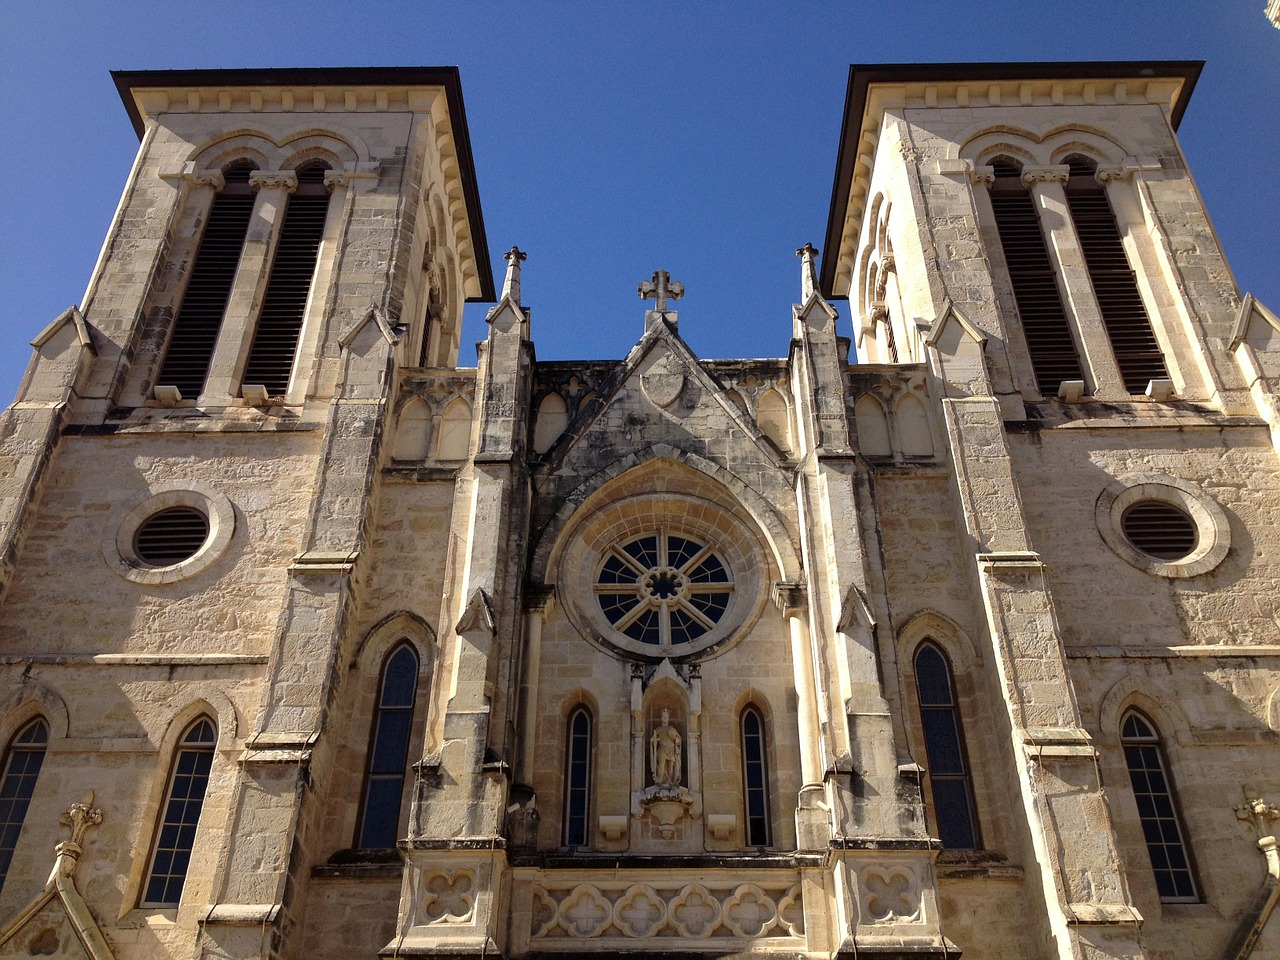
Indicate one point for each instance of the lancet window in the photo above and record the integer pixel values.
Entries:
(950, 785)
(22, 762)
(388, 751)
(577, 778)
(1157, 809)
(180, 815)
(755, 778)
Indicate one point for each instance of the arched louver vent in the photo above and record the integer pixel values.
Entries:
(1159, 529)
(195, 331)
(171, 536)
(275, 341)
(1115, 285)
(1035, 285)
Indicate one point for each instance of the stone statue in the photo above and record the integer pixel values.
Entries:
(664, 753)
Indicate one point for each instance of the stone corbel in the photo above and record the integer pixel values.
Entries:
(286, 180)
(203, 178)
(983, 174)
(1051, 173)
(1126, 169)
(347, 178)
(790, 597)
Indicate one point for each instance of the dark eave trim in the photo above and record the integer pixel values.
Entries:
(448, 77)
(861, 77)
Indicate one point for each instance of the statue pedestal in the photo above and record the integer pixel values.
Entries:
(666, 806)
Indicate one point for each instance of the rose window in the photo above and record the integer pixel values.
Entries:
(663, 589)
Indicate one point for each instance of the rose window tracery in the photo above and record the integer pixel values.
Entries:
(663, 589)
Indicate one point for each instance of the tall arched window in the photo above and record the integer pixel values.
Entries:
(284, 304)
(948, 764)
(577, 779)
(388, 751)
(22, 763)
(1157, 809)
(1034, 280)
(1115, 285)
(183, 801)
(755, 779)
(195, 329)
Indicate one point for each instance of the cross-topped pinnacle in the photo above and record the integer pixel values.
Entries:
(659, 289)
(808, 271)
(511, 286)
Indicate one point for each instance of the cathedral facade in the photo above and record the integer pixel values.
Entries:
(954, 633)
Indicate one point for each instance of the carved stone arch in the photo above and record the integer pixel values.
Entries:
(550, 421)
(192, 702)
(231, 145)
(773, 415)
(1273, 710)
(314, 155)
(345, 145)
(750, 507)
(33, 699)
(389, 631)
(1160, 705)
(454, 439)
(1010, 151)
(871, 279)
(882, 228)
(579, 697)
(947, 636)
(413, 430)
(864, 268)
(915, 435)
(872, 426)
(1094, 153)
(752, 697)
(1100, 144)
(984, 140)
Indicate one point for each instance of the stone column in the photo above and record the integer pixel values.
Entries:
(241, 317)
(1090, 333)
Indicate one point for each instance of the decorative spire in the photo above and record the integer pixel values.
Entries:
(511, 286)
(660, 289)
(808, 271)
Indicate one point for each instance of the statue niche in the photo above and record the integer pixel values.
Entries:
(666, 799)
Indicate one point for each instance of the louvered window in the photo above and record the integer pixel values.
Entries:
(1159, 529)
(1114, 284)
(948, 762)
(275, 340)
(389, 751)
(22, 762)
(170, 536)
(1034, 281)
(195, 331)
(1157, 809)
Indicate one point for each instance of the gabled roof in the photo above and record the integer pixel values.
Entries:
(863, 76)
(130, 81)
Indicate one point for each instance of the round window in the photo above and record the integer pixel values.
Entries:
(1159, 529)
(170, 536)
(1163, 525)
(662, 589)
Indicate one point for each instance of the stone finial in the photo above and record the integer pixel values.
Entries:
(808, 255)
(80, 817)
(1257, 811)
(511, 285)
(660, 289)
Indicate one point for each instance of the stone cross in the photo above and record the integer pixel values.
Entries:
(659, 289)
(511, 286)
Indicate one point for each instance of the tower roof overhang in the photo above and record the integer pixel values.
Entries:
(148, 93)
(875, 88)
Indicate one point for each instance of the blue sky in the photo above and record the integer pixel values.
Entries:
(610, 139)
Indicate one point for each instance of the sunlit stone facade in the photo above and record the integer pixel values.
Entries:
(953, 632)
